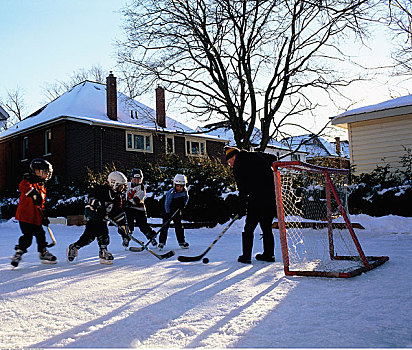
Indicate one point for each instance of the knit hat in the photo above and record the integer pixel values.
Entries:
(231, 151)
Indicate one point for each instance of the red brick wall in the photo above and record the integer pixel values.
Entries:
(111, 97)
(12, 166)
(78, 146)
(216, 150)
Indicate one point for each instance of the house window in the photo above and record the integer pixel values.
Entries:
(47, 142)
(25, 148)
(195, 148)
(139, 142)
(295, 156)
(170, 145)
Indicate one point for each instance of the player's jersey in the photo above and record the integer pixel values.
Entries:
(135, 196)
(110, 201)
(27, 211)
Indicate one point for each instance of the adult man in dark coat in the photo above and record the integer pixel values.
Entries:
(255, 181)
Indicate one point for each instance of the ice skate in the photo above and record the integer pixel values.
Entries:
(16, 258)
(153, 241)
(72, 252)
(126, 241)
(184, 245)
(160, 246)
(106, 258)
(47, 258)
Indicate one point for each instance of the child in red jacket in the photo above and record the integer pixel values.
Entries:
(30, 211)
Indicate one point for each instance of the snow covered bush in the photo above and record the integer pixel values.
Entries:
(383, 192)
(209, 181)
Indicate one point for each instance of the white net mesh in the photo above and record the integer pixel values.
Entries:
(317, 238)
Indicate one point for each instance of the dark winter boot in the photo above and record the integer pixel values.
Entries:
(263, 257)
(72, 252)
(105, 256)
(244, 259)
(16, 258)
(47, 258)
(247, 245)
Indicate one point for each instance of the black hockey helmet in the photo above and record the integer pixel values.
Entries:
(136, 173)
(43, 166)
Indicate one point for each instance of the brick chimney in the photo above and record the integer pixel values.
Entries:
(338, 149)
(111, 97)
(160, 107)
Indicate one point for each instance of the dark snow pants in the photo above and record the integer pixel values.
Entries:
(29, 231)
(138, 218)
(180, 233)
(93, 230)
(264, 218)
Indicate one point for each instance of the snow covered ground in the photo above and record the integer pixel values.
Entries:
(140, 301)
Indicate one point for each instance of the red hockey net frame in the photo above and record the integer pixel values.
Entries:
(361, 262)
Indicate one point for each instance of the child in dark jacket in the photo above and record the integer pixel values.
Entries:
(176, 199)
(104, 200)
(30, 211)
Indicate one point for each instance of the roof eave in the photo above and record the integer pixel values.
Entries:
(384, 113)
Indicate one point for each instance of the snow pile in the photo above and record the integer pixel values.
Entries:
(140, 301)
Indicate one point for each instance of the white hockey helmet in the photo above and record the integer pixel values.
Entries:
(117, 181)
(180, 179)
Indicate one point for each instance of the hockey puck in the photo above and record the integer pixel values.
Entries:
(205, 260)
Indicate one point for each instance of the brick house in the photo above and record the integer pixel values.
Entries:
(93, 125)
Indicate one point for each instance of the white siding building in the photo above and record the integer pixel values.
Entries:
(378, 134)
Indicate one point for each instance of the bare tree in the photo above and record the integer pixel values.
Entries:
(56, 89)
(248, 62)
(14, 105)
(399, 20)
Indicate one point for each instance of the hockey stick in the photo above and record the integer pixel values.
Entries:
(198, 257)
(145, 247)
(139, 249)
(53, 243)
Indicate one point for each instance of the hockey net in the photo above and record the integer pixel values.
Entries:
(316, 235)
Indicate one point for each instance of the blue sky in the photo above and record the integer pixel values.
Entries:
(47, 40)
(43, 41)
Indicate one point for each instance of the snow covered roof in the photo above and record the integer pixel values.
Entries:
(395, 107)
(278, 145)
(86, 102)
(316, 146)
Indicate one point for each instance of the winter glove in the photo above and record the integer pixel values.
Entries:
(175, 213)
(95, 204)
(94, 210)
(45, 221)
(35, 196)
(242, 209)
